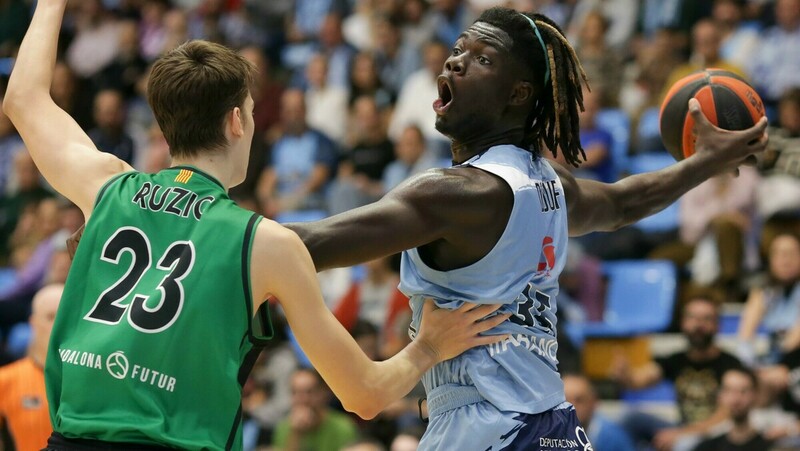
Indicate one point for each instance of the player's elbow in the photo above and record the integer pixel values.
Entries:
(366, 404)
(365, 409)
(11, 104)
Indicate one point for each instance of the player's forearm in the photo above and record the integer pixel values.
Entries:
(33, 70)
(642, 195)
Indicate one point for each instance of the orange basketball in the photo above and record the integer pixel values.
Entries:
(726, 99)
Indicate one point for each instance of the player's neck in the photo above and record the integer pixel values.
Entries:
(466, 148)
(216, 164)
(38, 353)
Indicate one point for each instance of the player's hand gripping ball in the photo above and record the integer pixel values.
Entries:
(725, 98)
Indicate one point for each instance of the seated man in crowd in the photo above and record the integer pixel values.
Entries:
(696, 373)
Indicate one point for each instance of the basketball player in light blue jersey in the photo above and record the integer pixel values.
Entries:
(494, 227)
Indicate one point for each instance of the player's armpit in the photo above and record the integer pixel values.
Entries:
(74, 240)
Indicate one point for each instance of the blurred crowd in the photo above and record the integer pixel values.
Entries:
(343, 114)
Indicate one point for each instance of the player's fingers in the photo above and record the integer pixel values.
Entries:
(482, 311)
(700, 118)
(756, 131)
(759, 143)
(490, 323)
(483, 340)
(751, 161)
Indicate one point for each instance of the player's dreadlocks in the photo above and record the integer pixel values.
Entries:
(553, 119)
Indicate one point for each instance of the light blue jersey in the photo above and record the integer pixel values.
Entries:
(521, 271)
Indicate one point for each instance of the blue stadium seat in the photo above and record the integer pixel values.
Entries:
(616, 122)
(668, 218)
(301, 216)
(639, 298)
(18, 339)
(648, 132)
(662, 392)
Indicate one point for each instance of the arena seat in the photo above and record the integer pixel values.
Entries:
(616, 122)
(668, 218)
(661, 392)
(639, 298)
(648, 132)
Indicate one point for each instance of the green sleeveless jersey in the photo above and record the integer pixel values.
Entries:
(155, 338)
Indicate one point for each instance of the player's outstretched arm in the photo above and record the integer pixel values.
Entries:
(61, 150)
(595, 206)
(423, 209)
(282, 266)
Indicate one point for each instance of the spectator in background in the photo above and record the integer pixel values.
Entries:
(783, 379)
(776, 66)
(10, 144)
(266, 93)
(737, 396)
(338, 52)
(706, 42)
(418, 92)
(44, 237)
(450, 18)
(696, 373)
(603, 67)
(374, 300)
(109, 134)
(361, 166)
(775, 305)
(266, 116)
(715, 220)
(396, 57)
(63, 90)
(603, 434)
(300, 165)
(619, 17)
(596, 142)
(417, 26)
(406, 440)
(311, 423)
(358, 27)
(739, 40)
(646, 76)
(14, 18)
(128, 67)
(26, 193)
(779, 190)
(96, 41)
(23, 406)
(326, 104)
(412, 157)
(153, 30)
(365, 81)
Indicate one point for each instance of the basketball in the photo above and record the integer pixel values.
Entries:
(726, 99)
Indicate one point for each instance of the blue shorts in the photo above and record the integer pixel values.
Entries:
(481, 427)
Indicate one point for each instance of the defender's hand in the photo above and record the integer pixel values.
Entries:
(727, 149)
(448, 333)
(74, 240)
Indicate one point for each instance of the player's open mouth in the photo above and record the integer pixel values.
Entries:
(445, 99)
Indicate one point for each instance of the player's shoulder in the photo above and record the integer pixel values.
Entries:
(273, 239)
(465, 183)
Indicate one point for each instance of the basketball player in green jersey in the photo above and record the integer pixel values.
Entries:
(156, 333)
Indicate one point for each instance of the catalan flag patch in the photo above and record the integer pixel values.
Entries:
(183, 176)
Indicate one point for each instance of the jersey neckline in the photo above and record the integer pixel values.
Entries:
(199, 171)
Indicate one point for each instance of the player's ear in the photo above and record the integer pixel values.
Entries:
(521, 93)
(235, 122)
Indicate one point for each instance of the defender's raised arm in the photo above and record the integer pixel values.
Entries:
(60, 148)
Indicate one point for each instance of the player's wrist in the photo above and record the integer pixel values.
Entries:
(423, 352)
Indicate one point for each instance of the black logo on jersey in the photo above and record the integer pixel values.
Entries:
(173, 200)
